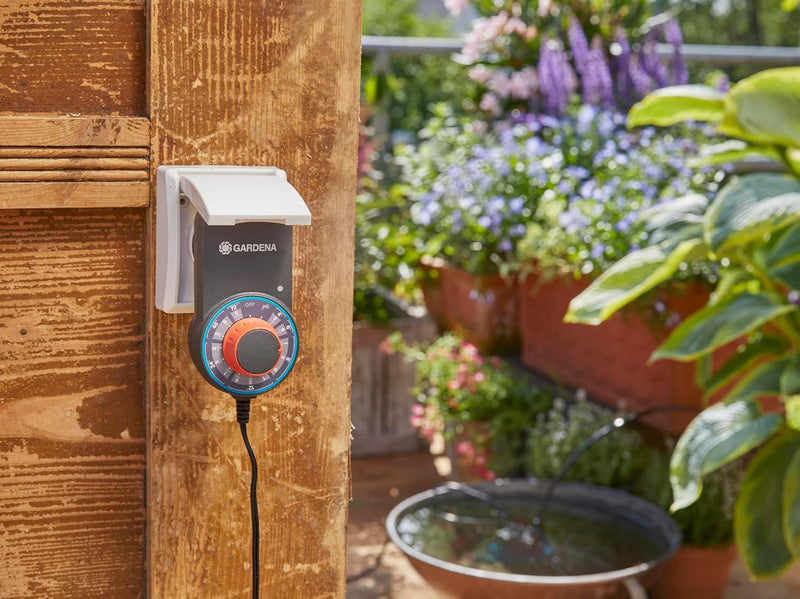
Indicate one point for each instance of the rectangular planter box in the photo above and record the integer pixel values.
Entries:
(483, 309)
(381, 396)
(609, 361)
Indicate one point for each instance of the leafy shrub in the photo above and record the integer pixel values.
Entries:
(613, 461)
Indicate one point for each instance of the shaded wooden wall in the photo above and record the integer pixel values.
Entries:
(92, 378)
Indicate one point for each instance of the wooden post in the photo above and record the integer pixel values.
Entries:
(257, 83)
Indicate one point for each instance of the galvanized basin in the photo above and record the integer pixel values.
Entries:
(634, 522)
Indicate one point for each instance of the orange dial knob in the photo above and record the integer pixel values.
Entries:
(251, 347)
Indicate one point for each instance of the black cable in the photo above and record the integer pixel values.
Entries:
(374, 567)
(243, 417)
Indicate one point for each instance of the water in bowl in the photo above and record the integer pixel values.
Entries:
(576, 539)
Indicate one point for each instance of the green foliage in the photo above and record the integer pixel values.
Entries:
(708, 522)
(614, 461)
(766, 522)
(385, 253)
(750, 232)
(717, 436)
(409, 86)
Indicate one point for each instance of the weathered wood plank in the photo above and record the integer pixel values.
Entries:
(269, 83)
(30, 163)
(71, 419)
(72, 57)
(381, 389)
(91, 194)
(73, 175)
(66, 130)
(26, 152)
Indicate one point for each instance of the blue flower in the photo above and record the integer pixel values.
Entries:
(598, 250)
(572, 221)
(517, 230)
(515, 205)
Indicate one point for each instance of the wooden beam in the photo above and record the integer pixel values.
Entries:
(80, 131)
(88, 194)
(72, 56)
(71, 418)
(257, 83)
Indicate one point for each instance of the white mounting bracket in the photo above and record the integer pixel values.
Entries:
(224, 196)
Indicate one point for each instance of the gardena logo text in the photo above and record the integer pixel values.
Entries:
(226, 247)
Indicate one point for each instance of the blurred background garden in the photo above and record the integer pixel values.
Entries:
(574, 211)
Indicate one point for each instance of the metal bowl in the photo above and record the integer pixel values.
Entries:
(614, 507)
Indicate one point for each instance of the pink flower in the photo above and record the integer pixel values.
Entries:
(454, 385)
(465, 449)
(490, 103)
(385, 347)
(479, 377)
(455, 7)
(480, 73)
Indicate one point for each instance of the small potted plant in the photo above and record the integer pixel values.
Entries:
(701, 567)
(476, 403)
(614, 461)
(622, 459)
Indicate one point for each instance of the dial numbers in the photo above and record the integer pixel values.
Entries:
(223, 319)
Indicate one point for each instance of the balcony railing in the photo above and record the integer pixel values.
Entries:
(383, 47)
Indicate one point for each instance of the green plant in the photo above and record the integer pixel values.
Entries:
(385, 253)
(751, 232)
(614, 461)
(456, 387)
(708, 522)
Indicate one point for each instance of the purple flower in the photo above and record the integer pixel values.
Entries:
(505, 246)
(672, 32)
(651, 61)
(639, 78)
(515, 205)
(584, 62)
(621, 65)
(485, 221)
(598, 250)
(602, 73)
(556, 80)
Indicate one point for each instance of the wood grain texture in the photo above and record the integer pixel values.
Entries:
(258, 83)
(91, 194)
(71, 417)
(74, 162)
(68, 56)
(66, 130)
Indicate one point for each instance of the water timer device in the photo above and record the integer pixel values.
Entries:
(224, 252)
(243, 338)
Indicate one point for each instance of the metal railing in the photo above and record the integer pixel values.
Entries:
(383, 47)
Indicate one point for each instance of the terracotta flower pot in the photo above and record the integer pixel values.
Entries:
(609, 361)
(695, 573)
(483, 309)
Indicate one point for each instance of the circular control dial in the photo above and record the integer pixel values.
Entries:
(249, 345)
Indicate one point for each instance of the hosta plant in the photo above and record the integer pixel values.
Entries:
(751, 233)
